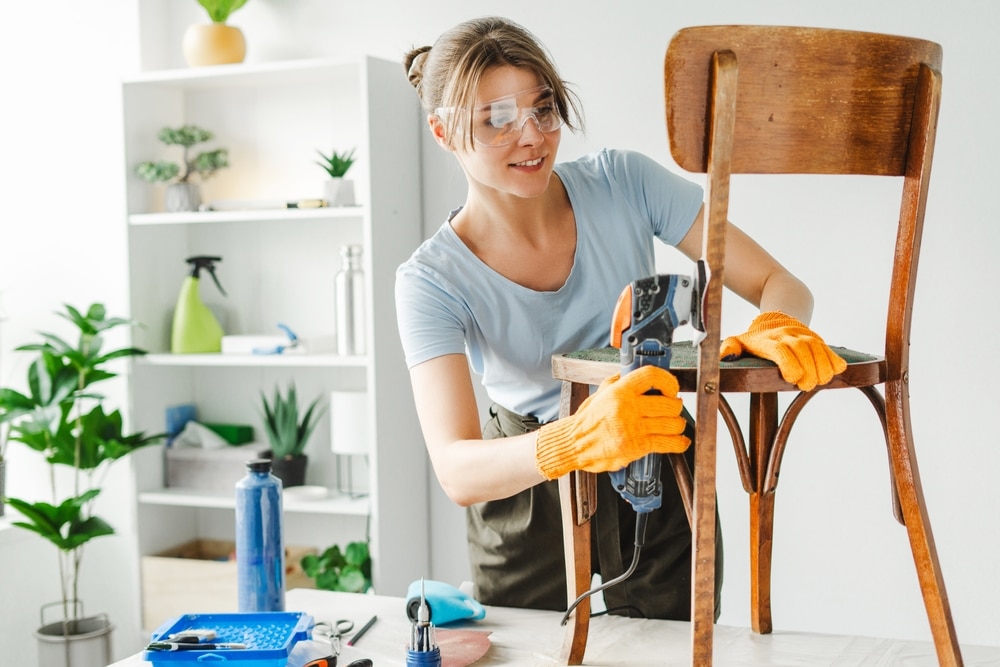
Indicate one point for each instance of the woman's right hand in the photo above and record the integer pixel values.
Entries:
(620, 423)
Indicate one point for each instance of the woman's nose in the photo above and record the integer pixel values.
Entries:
(530, 134)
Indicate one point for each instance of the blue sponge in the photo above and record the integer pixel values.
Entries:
(446, 603)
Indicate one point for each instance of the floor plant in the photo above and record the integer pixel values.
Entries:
(59, 413)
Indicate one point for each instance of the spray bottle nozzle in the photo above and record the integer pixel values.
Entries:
(206, 262)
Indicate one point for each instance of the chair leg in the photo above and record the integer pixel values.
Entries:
(577, 546)
(761, 527)
(763, 428)
(918, 527)
(578, 503)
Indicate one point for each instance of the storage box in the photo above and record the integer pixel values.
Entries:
(200, 577)
(269, 638)
(214, 470)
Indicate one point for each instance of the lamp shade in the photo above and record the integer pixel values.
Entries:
(349, 422)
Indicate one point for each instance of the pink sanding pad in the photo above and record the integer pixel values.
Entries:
(461, 647)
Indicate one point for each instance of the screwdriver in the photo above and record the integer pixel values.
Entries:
(423, 650)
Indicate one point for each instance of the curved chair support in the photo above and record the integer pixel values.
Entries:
(739, 443)
(781, 438)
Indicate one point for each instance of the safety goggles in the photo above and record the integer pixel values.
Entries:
(499, 122)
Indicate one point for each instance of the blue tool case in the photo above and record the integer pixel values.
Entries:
(269, 638)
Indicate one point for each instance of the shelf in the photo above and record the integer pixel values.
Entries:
(174, 497)
(253, 360)
(249, 74)
(280, 265)
(257, 215)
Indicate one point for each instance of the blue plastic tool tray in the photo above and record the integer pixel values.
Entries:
(269, 638)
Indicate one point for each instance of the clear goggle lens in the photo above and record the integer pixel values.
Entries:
(499, 122)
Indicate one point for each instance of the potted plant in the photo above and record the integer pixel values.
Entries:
(215, 43)
(62, 417)
(339, 190)
(184, 195)
(349, 571)
(288, 435)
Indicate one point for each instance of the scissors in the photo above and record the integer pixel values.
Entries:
(333, 633)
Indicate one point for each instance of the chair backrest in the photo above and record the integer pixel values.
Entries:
(787, 100)
(808, 100)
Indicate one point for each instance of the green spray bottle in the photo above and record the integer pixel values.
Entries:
(195, 329)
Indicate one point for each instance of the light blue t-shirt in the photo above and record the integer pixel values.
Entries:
(450, 302)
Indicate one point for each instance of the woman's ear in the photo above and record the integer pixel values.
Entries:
(438, 131)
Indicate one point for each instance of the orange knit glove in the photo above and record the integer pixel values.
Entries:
(801, 355)
(616, 425)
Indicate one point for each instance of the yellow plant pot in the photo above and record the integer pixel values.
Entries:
(213, 44)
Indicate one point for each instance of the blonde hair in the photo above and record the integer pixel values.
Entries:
(448, 73)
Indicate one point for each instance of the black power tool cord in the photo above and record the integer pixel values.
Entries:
(640, 541)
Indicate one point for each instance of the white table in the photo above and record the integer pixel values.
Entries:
(526, 637)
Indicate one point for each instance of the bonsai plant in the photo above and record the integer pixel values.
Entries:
(349, 571)
(60, 416)
(288, 435)
(183, 195)
(215, 43)
(339, 190)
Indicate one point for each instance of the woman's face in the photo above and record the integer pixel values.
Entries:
(517, 98)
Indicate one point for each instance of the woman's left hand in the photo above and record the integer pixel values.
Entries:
(803, 358)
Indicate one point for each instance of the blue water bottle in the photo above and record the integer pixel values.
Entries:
(260, 549)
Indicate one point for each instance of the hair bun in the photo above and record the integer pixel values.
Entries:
(413, 61)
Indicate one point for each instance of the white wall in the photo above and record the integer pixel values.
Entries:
(62, 241)
(842, 565)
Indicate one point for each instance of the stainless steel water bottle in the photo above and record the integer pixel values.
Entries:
(260, 548)
(350, 283)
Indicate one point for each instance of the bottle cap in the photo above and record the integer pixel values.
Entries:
(259, 465)
(351, 250)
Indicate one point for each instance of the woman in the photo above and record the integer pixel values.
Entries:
(530, 266)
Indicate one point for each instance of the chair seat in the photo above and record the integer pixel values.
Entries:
(747, 374)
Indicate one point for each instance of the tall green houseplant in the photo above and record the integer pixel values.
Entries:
(61, 416)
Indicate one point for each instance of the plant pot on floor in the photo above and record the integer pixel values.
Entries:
(80, 642)
(291, 471)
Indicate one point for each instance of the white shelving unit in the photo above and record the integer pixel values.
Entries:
(278, 266)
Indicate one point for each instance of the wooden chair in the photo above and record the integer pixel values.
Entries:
(782, 100)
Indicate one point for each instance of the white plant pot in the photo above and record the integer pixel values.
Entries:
(84, 642)
(182, 197)
(339, 192)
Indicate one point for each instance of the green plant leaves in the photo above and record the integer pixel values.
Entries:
(336, 164)
(204, 164)
(66, 525)
(349, 571)
(209, 162)
(219, 10)
(61, 416)
(186, 136)
(286, 433)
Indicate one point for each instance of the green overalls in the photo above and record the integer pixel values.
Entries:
(516, 548)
